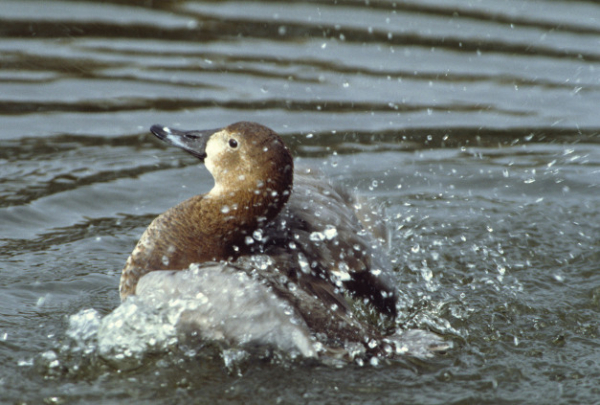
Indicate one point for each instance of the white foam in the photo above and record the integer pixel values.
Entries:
(215, 301)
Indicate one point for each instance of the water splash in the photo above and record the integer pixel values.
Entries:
(212, 302)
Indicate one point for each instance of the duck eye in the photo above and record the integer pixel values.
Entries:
(233, 143)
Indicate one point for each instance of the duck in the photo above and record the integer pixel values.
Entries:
(285, 250)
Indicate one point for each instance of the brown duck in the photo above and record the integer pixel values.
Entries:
(293, 233)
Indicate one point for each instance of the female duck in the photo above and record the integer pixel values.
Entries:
(295, 236)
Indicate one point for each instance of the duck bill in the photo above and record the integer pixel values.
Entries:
(193, 142)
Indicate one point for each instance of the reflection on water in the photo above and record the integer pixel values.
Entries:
(474, 123)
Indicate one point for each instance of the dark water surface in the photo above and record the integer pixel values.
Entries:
(476, 124)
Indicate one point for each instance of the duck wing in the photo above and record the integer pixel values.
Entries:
(319, 303)
(325, 240)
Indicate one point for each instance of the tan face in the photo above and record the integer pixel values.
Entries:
(227, 159)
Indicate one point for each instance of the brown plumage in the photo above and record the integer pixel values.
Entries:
(319, 250)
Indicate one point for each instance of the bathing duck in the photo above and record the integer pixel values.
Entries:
(294, 233)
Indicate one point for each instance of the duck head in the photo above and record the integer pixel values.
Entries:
(252, 167)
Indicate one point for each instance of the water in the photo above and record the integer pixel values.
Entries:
(475, 124)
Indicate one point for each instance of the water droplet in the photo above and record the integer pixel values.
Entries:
(165, 260)
(304, 266)
(225, 209)
(341, 274)
(41, 301)
(330, 232)
(25, 362)
(248, 240)
(427, 274)
(262, 262)
(317, 237)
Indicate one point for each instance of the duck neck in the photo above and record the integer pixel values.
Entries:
(241, 212)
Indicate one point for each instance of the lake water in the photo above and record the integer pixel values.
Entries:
(475, 123)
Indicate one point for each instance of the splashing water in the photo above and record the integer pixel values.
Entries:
(219, 302)
(214, 302)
